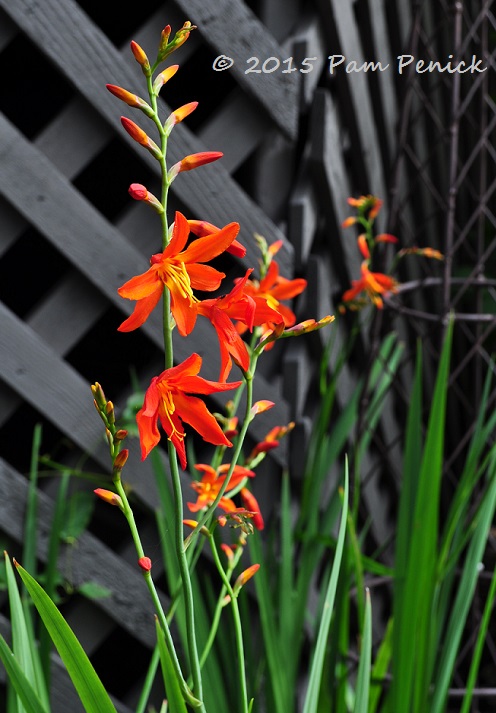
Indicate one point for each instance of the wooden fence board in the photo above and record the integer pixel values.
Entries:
(219, 24)
(85, 58)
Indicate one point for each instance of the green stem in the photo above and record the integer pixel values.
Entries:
(208, 514)
(129, 515)
(219, 607)
(238, 629)
(185, 576)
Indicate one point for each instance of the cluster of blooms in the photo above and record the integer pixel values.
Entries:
(173, 397)
(372, 287)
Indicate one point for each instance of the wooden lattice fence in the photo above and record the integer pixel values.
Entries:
(295, 146)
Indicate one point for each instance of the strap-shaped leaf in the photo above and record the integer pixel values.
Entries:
(90, 689)
(21, 684)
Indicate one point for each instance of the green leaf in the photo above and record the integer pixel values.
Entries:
(414, 624)
(23, 642)
(312, 695)
(363, 676)
(20, 682)
(90, 689)
(464, 596)
(175, 699)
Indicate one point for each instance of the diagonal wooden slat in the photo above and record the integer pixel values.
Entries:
(88, 60)
(277, 92)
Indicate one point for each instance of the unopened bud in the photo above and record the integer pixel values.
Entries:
(141, 137)
(145, 563)
(244, 577)
(120, 435)
(98, 395)
(121, 459)
(193, 161)
(130, 99)
(193, 523)
(109, 409)
(141, 193)
(109, 497)
(141, 58)
(164, 77)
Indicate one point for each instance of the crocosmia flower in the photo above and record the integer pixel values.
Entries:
(180, 271)
(211, 482)
(272, 289)
(239, 306)
(168, 401)
(373, 284)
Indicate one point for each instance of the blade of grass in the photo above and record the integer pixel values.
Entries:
(88, 686)
(380, 667)
(465, 593)
(413, 621)
(23, 641)
(175, 699)
(479, 645)
(312, 694)
(21, 684)
(363, 675)
(283, 692)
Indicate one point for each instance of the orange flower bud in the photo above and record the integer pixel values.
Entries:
(179, 114)
(130, 99)
(109, 497)
(309, 325)
(349, 221)
(363, 246)
(184, 111)
(194, 161)
(244, 577)
(141, 137)
(274, 248)
(141, 58)
(120, 435)
(164, 38)
(164, 77)
(202, 228)
(121, 459)
(193, 523)
(140, 193)
(386, 238)
(109, 410)
(228, 551)
(98, 395)
(145, 563)
(261, 406)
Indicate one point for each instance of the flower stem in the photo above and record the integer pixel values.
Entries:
(238, 629)
(207, 515)
(129, 515)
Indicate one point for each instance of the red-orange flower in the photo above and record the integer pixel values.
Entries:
(168, 401)
(272, 289)
(270, 441)
(373, 284)
(239, 306)
(212, 481)
(180, 271)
